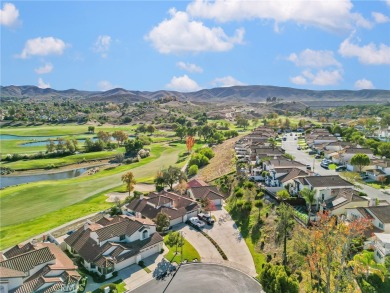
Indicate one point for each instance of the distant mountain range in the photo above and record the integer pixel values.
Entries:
(252, 93)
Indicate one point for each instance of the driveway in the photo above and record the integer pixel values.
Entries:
(229, 238)
(205, 248)
(290, 145)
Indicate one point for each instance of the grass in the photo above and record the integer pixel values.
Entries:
(59, 162)
(45, 205)
(14, 234)
(189, 252)
(37, 198)
(332, 166)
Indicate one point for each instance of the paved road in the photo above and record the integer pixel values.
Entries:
(200, 277)
(290, 145)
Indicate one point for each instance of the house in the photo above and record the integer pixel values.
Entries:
(37, 267)
(210, 192)
(282, 163)
(178, 208)
(283, 176)
(259, 153)
(338, 145)
(111, 244)
(378, 214)
(348, 153)
(381, 246)
(196, 183)
(383, 165)
(324, 186)
(343, 198)
(374, 174)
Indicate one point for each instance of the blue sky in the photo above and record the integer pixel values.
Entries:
(190, 45)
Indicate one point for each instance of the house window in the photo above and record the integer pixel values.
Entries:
(380, 225)
(93, 266)
(378, 255)
(145, 234)
(122, 237)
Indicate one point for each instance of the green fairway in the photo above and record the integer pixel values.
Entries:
(38, 198)
(58, 162)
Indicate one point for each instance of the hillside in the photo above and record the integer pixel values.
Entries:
(253, 93)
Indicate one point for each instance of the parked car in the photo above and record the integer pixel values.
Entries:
(206, 218)
(299, 148)
(318, 157)
(341, 168)
(308, 167)
(195, 221)
(325, 165)
(312, 152)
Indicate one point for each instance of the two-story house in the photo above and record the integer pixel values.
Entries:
(112, 244)
(323, 185)
(381, 246)
(37, 267)
(378, 214)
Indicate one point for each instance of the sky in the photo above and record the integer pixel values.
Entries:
(192, 45)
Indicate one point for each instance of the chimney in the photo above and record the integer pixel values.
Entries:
(34, 242)
(86, 226)
(141, 196)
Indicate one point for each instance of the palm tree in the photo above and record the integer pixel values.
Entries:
(128, 179)
(285, 224)
(364, 264)
(310, 198)
(272, 142)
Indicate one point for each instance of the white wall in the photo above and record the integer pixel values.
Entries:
(14, 283)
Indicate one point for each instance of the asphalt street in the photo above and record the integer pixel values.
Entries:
(290, 145)
(201, 277)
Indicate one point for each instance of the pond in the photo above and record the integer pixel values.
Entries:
(15, 180)
(18, 137)
(45, 142)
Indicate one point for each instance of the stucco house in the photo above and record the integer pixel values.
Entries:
(378, 214)
(381, 246)
(178, 208)
(37, 267)
(111, 244)
(343, 198)
(198, 193)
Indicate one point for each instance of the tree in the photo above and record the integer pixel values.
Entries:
(190, 142)
(382, 179)
(120, 136)
(310, 198)
(259, 204)
(384, 149)
(162, 222)
(91, 129)
(284, 226)
(181, 187)
(208, 205)
(272, 142)
(364, 264)
(181, 131)
(242, 122)
(193, 170)
(360, 160)
(172, 175)
(104, 136)
(51, 146)
(150, 128)
(119, 158)
(133, 146)
(327, 246)
(275, 279)
(283, 194)
(128, 179)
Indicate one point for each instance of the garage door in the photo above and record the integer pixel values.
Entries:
(152, 250)
(176, 221)
(192, 214)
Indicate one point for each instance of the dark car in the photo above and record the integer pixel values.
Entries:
(206, 218)
(341, 168)
(312, 152)
(318, 156)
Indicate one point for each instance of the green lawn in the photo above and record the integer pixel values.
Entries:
(59, 162)
(189, 252)
(332, 166)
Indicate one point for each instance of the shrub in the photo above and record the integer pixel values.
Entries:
(239, 193)
(207, 152)
(199, 160)
(193, 170)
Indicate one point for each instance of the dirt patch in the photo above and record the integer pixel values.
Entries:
(222, 163)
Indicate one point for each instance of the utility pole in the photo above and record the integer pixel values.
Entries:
(314, 160)
(182, 244)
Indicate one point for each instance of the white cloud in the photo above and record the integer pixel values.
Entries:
(329, 15)
(183, 84)
(9, 15)
(102, 45)
(181, 34)
(42, 47)
(388, 2)
(314, 59)
(298, 80)
(47, 68)
(105, 85)
(189, 67)
(42, 84)
(321, 77)
(368, 54)
(364, 84)
(379, 17)
(226, 81)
